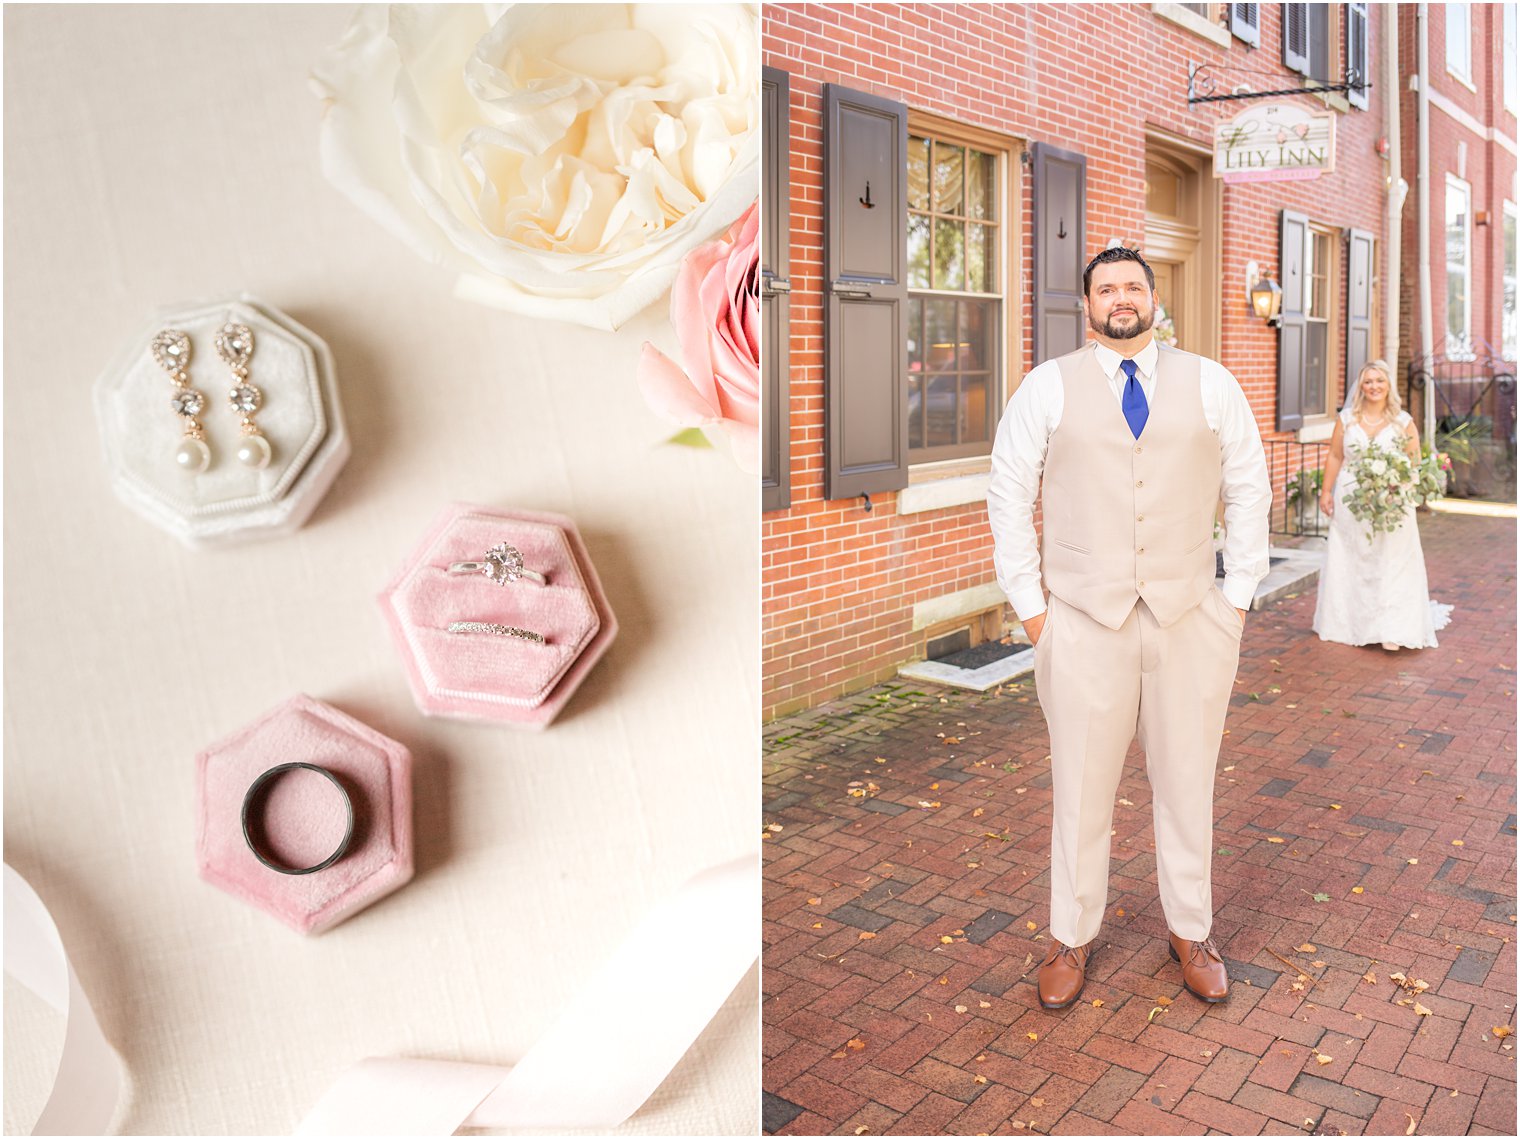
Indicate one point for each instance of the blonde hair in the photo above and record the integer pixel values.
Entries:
(1395, 404)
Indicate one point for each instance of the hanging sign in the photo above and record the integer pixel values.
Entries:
(1277, 142)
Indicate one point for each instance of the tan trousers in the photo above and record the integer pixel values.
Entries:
(1098, 687)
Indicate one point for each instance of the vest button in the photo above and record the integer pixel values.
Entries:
(1141, 550)
(1140, 482)
(1142, 585)
(1139, 518)
(1138, 448)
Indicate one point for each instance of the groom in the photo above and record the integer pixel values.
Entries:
(1130, 446)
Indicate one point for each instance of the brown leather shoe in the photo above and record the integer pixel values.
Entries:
(1203, 971)
(1063, 973)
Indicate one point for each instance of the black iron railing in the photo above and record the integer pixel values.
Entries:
(1473, 395)
(1297, 471)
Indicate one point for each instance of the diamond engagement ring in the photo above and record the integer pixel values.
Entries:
(503, 564)
(253, 819)
(497, 630)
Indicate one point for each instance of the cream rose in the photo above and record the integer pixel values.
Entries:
(562, 158)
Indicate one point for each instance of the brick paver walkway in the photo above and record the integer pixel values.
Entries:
(1364, 826)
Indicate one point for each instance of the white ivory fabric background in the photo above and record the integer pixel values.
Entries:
(160, 154)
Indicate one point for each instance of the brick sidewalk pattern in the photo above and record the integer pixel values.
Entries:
(1364, 827)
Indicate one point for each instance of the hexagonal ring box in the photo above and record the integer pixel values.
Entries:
(302, 816)
(299, 417)
(481, 675)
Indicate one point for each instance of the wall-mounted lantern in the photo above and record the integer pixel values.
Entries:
(1264, 294)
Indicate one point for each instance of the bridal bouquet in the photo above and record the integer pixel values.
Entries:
(1389, 485)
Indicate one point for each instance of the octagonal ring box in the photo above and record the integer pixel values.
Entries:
(228, 502)
(479, 676)
(302, 815)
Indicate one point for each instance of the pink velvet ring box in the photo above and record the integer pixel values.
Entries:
(302, 815)
(480, 676)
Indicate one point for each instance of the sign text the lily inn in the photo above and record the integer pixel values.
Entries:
(1274, 143)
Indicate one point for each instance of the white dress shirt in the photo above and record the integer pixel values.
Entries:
(1018, 459)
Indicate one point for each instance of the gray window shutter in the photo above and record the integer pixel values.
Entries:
(1295, 37)
(1060, 250)
(1357, 53)
(1245, 23)
(1359, 271)
(775, 291)
(865, 242)
(1291, 341)
(1319, 42)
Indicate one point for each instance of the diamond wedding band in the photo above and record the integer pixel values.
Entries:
(503, 564)
(497, 631)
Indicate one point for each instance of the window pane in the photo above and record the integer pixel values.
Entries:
(1163, 192)
(1458, 38)
(981, 186)
(1456, 226)
(977, 352)
(939, 335)
(918, 251)
(918, 173)
(1456, 307)
(974, 428)
(1509, 244)
(949, 255)
(949, 179)
(1316, 336)
(915, 372)
(940, 410)
(981, 258)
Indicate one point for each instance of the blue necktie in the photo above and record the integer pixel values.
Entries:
(1135, 408)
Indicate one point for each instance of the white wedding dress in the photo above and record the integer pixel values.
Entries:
(1374, 592)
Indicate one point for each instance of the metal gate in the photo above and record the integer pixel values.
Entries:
(1474, 400)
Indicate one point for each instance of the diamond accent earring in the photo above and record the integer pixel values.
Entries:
(171, 348)
(234, 344)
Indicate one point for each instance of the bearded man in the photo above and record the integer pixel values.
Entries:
(1130, 445)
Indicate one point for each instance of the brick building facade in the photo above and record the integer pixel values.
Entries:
(1035, 136)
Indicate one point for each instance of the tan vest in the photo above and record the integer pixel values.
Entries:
(1129, 518)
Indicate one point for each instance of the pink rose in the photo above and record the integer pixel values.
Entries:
(715, 308)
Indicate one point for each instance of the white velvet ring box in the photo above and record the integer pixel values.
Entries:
(480, 675)
(228, 502)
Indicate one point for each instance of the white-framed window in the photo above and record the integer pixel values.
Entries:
(1458, 268)
(1509, 323)
(957, 241)
(1459, 40)
(1511, 60)
(1321, 310)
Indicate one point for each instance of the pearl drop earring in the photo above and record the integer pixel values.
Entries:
(171, 348)
(234, 344)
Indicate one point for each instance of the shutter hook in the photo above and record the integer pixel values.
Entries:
(1062, 231)
(867, 498)
(866, 201)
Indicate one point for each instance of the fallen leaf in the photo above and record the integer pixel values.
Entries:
(856, 793)
(1358, 890)
(1163, 1001)
(817, 925)
(934, 786)
(946, 940)
(982, 1057)
(1413, 862)
(1125, 803)
(1317, 964)
(1397, 978)
(1298, 986)
(1206, 1052)
(1119, 913)
(837, 1056)
(866, 935)
(879, 759)
(775, 828)
(957, 933)
(960, 1008)
(862, 1129)
(1502, 1031)
(1155, 1012)
(814, 901)
(1321, 897)
(1453, 1094)
(855, 1045)
(979, 812)
(1097, 1004)
(1030, 925)
(1306, 948)
(978, 1079)
(1370, 977)
(1323, 1059)
(1420, 1010)
(943, 981)
(983, 1004)
(1457, 842)
(1410, 1129)
(1277, 840)
(1032, 1035)
(1335, 806)
(1036, 1102)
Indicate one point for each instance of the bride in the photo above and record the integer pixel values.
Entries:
(1372, 592)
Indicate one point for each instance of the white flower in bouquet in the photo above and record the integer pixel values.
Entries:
(1388, 487)
(561, 158)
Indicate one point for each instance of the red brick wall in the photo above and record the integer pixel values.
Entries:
(1490, 170)
(839, 584)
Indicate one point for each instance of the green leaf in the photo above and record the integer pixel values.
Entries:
(1010, 766)
(690, 437)
(1225, 850)
(1321, 897)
